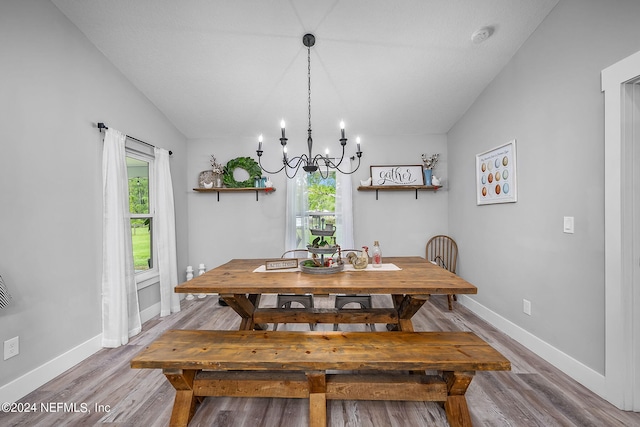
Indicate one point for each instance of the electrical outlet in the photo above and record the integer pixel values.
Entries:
(11, 347)
(526, 306)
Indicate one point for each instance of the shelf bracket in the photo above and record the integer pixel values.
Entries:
(416, 194)
(376, 194)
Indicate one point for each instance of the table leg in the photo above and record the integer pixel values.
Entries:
(244, 306)
(407, 306)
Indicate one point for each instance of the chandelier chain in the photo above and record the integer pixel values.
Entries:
(309, 83)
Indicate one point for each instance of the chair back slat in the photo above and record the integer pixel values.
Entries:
(443, 250)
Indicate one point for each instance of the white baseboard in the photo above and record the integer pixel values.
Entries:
(30, 381)
(586, 376)
(149, 312)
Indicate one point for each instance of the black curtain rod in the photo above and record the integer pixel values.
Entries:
(103, 126)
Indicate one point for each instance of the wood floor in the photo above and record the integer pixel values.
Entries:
(103, 390)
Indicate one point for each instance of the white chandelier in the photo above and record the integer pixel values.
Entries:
(310, 163)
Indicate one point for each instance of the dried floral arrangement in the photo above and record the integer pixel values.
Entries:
(430, 161)
(215, 166)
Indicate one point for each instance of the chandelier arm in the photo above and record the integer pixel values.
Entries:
(264, 169)
(349, 173)
(341, 158)
(295, 163)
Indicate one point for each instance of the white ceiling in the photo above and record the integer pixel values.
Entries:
(228, 69)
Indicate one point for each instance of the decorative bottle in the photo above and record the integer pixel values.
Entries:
(376, 255)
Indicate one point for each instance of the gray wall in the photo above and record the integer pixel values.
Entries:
(548, 98)
(240, 227)
(55, 86)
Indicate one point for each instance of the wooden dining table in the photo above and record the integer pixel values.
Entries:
(410, 285)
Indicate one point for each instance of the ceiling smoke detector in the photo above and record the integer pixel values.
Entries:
(481, 35)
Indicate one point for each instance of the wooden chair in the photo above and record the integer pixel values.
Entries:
(443, 251)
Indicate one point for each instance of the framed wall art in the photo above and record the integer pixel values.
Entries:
(397, 175)
(496, 180)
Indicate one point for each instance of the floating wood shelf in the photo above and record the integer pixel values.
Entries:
(415, 188)
(235, 190)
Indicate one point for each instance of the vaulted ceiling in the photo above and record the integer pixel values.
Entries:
(225, 69)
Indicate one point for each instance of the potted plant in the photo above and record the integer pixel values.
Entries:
(218, 170)
(429, 163)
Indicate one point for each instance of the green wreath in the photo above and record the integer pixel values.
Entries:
(246, 163)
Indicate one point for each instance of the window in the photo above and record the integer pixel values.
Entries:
(139, 173)
(320, 210)
(313, 202)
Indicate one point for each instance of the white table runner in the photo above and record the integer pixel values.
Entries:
(347, 267)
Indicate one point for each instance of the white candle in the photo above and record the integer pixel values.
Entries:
(282, 127)
(342, 128)
(260, 143)
(358, 144)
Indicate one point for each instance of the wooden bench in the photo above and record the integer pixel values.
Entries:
(295, 364)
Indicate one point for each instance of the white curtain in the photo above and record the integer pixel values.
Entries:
(165, 234)
(120, 310)
(296, 211)
(344, 209)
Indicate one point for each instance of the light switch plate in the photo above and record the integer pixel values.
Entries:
(568, 225)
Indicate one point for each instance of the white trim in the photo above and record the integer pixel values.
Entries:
(586, 376)
(39, 376)
(30, 381)
(619, 311)
(149, 313)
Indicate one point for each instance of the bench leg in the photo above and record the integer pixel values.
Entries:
(184, 404)
(456, 404)
(317, 399)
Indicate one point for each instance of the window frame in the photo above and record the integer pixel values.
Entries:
(145, 153)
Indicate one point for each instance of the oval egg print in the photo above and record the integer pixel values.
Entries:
(497, 163)
(497, 176)
(497, 189)
(505, 174)
(505, 188)
(490, 178)
(505, 161)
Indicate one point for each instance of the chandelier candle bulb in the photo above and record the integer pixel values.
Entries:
(342, 129)
(282, 127)
(358, 144)
(260, 142)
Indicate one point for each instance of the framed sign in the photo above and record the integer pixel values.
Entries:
(281, 264)
(397, 175)
(496, 175)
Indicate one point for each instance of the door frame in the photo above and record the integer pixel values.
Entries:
(621, 340)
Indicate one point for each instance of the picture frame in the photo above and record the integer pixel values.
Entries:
(496, 177)
(396, 175)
